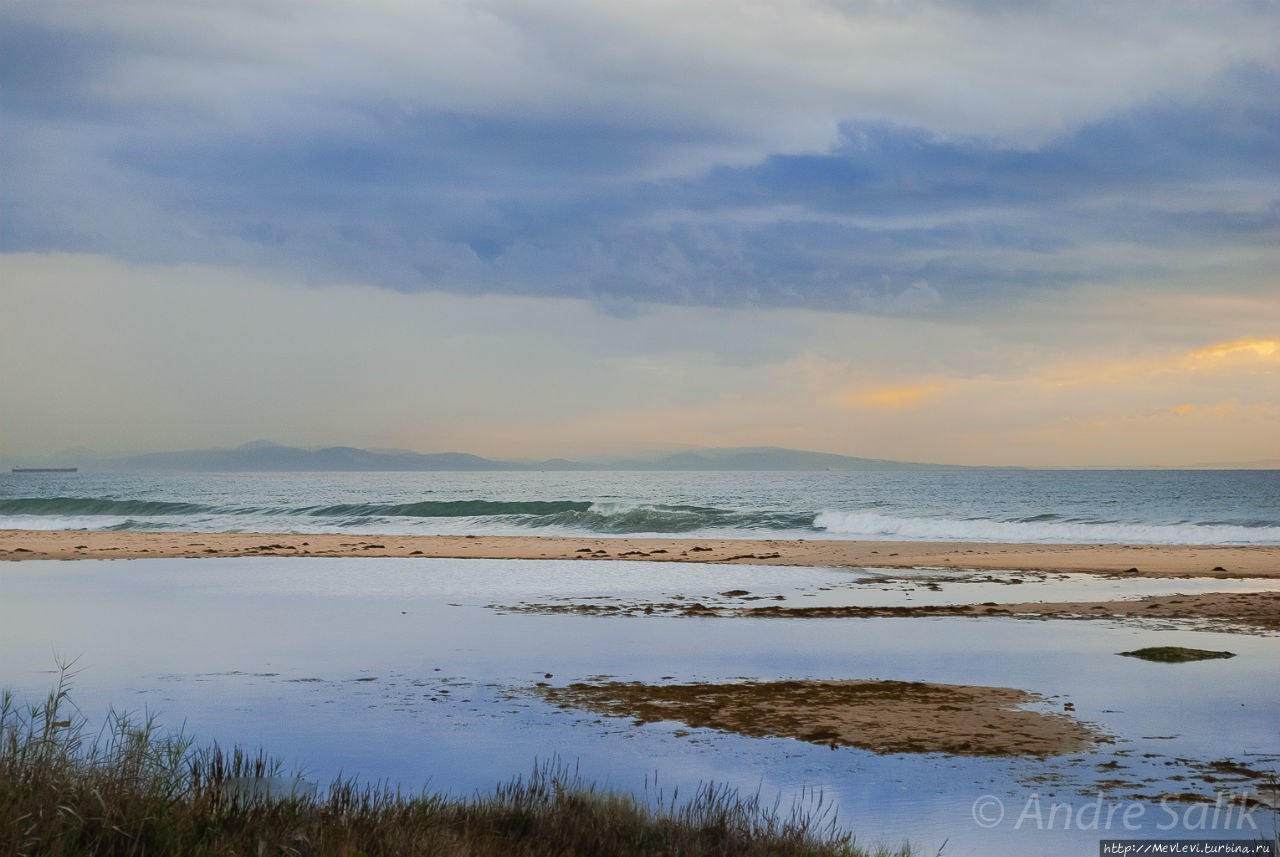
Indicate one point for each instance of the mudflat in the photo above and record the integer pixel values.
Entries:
(1233, 611)
(881, 716)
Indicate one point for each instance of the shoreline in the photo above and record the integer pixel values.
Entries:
(1206, 561)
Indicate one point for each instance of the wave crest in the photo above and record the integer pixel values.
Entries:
(1039, 528)
(447, 509)
(623, 519)
(84, 506)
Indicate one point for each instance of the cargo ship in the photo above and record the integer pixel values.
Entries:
(45, 469)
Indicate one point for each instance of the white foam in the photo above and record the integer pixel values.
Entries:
(878, 526)
(60, 522)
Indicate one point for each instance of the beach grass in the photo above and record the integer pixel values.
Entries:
(128, 789)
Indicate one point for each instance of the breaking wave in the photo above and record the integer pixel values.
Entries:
(619, 519)
(82, 506)
(447, 509)
(572, 514)
(579, 517)
(1046, 528)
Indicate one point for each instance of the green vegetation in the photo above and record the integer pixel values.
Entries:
(132, 791)
(1175, 654)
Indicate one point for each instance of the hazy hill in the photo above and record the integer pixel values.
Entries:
(264, 456)
(766, 458)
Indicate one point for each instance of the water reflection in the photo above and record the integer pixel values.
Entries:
(396, 669)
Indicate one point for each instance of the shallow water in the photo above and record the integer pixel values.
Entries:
(395, 669)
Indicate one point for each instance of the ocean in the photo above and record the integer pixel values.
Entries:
(1228, 507)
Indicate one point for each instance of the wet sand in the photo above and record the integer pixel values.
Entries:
(881, 716)
(1140, 560)
(1226, 611)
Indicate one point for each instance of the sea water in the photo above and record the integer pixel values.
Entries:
(1050, 506)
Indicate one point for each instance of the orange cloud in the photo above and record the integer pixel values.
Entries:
(890, 397)
(1238, 354)
(1227, 407)
(1241, 351)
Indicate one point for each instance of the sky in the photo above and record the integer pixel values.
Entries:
(1036, 233)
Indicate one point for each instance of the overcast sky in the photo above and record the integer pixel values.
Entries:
(968, 232)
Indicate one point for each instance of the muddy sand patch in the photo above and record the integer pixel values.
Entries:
(1229, 612)
(1175, 654)
(880, 716)
(1247, 612)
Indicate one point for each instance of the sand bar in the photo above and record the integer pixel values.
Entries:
(1146, 560)
(1240, 611)
(1231, 612)
(881, 716)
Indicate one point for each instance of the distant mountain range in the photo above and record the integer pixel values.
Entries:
(765, 458)
(264, 456)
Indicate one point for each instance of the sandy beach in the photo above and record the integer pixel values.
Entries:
(1143, 560)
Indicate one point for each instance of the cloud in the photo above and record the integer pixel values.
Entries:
(916, 158)
(1237, 358)
(1240, 352)
(891, 397)
(1007, 71)
(1230, 406)
(177, 356)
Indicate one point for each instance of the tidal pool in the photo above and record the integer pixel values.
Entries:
(397, 670)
